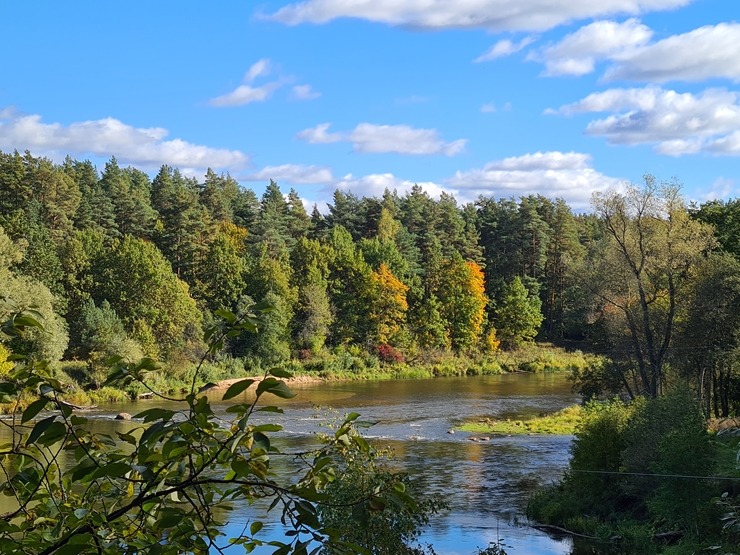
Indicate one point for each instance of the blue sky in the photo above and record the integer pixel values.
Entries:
(495, 97)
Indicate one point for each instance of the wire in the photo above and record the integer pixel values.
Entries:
(653, 475)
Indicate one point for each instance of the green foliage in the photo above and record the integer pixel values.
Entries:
(518, 315)
(165, 486)
(102, 335)
(140, 286)
(19, 293)
(390, 513)
(668, 436)
(639, 462)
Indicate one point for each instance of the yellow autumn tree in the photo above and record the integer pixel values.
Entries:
(461, 291)
(388, 312)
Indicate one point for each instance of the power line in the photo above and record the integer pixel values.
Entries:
(655, 475)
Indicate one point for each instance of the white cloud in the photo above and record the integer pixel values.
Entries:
(305, 92)
(292, 173)
(504, 48)
(246, 93)
(111, 137)
(721, 188)
(676, 123)
(403, 139)
(704, 53)
(566, 175)
(488, 108)
(400, 139)
(259, 68)
(577, 53)
(374, 185)
(319, 135)
(496, 15)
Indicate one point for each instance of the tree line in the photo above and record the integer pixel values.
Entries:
(119, 262)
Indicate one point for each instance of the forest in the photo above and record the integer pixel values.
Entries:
(118, 263)
(639, 296)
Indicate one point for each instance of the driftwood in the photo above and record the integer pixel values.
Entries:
(662, 536)
(76, 407)
(546, 527)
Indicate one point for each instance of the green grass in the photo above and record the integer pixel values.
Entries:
(563, 422)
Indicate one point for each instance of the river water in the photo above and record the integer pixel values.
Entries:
(486, 483)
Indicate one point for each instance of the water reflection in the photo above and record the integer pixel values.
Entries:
(486, 483)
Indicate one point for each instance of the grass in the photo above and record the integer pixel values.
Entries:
(563, 422)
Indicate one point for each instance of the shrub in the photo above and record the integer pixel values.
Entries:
(387, 353)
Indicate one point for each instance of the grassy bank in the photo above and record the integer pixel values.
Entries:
(563, 422)
(342, 363)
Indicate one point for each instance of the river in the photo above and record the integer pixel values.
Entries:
(486, 483)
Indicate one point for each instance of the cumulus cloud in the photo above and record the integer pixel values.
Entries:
(704, 53)
(675, 123)
(566, 175)
(110, 137)
(292, 173)
(246, 93)
(319, 135)
(495, 15)
(374, 185)
(578, 52)
(305, 92)
(400, 139)
(504, 48)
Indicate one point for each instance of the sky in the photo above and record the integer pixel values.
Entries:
(501, 98)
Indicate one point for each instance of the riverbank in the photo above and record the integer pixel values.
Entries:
(344, 363)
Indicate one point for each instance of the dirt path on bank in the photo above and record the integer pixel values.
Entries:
(295, 380)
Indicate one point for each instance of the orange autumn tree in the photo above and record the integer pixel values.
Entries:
(388, 311)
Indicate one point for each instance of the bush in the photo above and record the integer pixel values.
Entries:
(389, 354)
(668, 436)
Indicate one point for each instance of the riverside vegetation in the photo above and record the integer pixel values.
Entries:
(117, 264)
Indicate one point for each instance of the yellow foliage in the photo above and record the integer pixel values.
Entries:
(491, 343)
(390, 306)
(235, 235)
(5, 365)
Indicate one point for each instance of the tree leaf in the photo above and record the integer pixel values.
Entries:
(33, 409)
(237, 388)
(40, 427)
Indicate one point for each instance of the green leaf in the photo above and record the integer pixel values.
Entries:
(241, 467)
(151, 415)
(276, 387)
(261, 440)
(112, 470)
(55, 432)
(280, 373)
(241, 408)
(40, 427)
(230, 317)
(267, 428)
(237, 388)
(255, 527)
(277, 410)
(33, 409)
